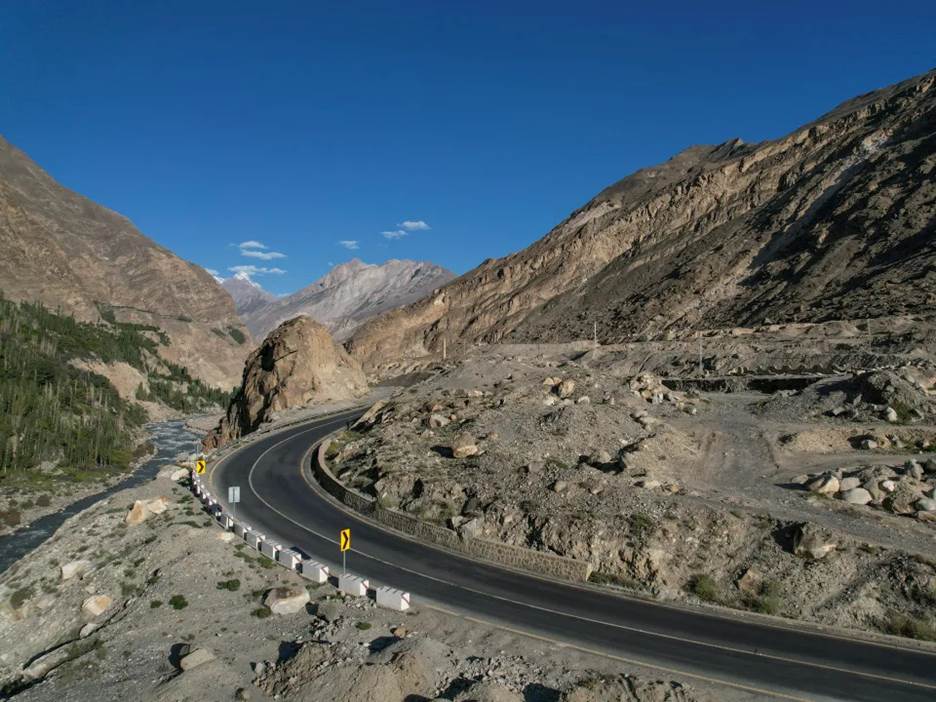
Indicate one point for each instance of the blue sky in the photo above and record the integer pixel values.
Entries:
(299, 125)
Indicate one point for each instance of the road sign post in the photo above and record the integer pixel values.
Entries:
(344, 543)
(233, 498)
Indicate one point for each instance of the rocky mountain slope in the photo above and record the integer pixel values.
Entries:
(345, 297)
(297, 364)
(72, 254)
(248, 296)
(837, 220)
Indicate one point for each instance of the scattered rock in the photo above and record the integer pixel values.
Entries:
(464, 445)
(809, 542)
(824, 485)
(286, 600)
(846, 484)
(196, 658)
(856, 496)
(750, 582)
(74, 569)
(926, 504)
(96, 605)
(559, 486)
(437, 421)
(137, 514)
(890, 415)
(328, 611)
(648, 484)
(565, 389)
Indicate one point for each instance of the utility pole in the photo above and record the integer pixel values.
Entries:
(595, 333)
(444, 349)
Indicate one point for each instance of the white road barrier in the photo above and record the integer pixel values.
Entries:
(353, 585)
(253, 539)
(289, 558)
(393, 599)
(269, 549)
(226, 520)
(314, 571)
(241, 530)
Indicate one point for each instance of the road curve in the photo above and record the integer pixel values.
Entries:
(767, 661)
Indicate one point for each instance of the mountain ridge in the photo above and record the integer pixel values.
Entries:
(709, 238)
(346, 296)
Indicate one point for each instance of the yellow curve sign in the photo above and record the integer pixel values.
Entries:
(344, 542)
(200, 466)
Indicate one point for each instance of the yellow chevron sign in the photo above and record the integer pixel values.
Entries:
(345, 542)
(200, 466)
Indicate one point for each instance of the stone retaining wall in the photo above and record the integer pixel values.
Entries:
(496, 552)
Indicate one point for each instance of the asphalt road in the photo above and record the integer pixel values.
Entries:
(767, 661)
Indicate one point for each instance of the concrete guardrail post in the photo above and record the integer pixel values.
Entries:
(353, 585)
(314, 571)
(252, 539)
(393, 599)
(269, 549)
(289, 558)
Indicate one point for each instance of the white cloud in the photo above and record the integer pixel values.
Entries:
(262, 255)
(350, 244)
(252, 245)
(394, 234)
(247, 272)
(414, 225)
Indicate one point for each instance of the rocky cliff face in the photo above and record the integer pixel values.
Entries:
(297, 364)
(70, 253)
(834, 221)
(347, 296)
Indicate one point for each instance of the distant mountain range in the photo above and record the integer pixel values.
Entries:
(347, 296)
(836, 220)
(73, 255)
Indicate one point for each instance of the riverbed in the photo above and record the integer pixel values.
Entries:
(169, 440)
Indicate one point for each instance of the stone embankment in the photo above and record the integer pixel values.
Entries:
(504, 554)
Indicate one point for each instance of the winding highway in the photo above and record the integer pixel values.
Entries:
(769, 662)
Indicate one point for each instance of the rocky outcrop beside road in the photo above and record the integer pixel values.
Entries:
(298, 364)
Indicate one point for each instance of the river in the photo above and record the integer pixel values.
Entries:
(169, 439)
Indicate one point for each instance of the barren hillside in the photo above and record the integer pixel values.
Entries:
(834, 221)
(72, 254)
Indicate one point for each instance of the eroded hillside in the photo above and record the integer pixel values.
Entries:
(834, 221)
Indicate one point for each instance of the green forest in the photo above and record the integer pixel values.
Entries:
(51, 411)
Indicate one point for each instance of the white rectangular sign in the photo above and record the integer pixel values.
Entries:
(234, 494)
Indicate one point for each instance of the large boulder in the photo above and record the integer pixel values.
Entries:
(96, 605)
(286, 600)
(901, 500)
(75, 569)
(298, 364)
(198, 657)
(810, 542)
(464, 445)
(824, 485)
(856, 496)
